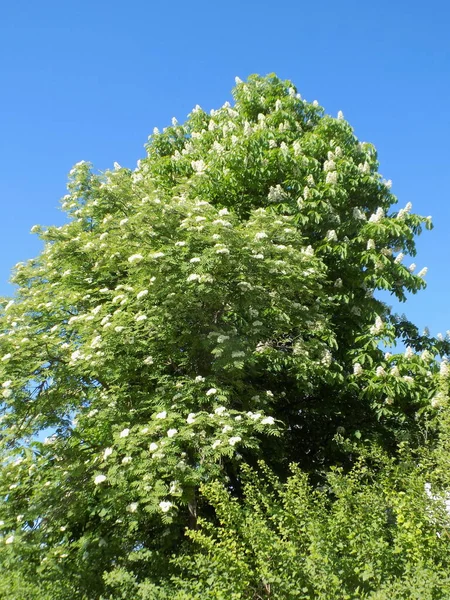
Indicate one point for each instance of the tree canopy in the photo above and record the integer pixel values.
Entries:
(204, 340)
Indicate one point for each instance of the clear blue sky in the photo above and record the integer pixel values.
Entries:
(90, 79)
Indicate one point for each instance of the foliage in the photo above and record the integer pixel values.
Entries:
(370, 533)
(208, 310)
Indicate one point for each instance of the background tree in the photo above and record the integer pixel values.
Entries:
(208, 310)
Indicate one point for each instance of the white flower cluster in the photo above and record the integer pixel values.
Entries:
(358, 214)
(377, 216)
(331, 177)
(7, 391)
(444, 368)
(165, 506)
(134, 258)
(357, 369)
(409, 352)
(276, 193)
(404, 211)
(378, 327)
(423, 272)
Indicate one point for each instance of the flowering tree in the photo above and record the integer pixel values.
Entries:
(212, 308)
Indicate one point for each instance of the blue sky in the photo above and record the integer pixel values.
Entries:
(90, 80)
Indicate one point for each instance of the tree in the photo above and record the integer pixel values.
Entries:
(210, 309)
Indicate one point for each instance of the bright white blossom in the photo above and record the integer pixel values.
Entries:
(395, 371)
(165, 506)
(135, 258)
(329, 165)
(222, 222)
(99, 479)
(161, 415)
(357, 369)
(423, 272)
(331, 177)
(153, 447)
(261, 235)
(96, 341)
(409, 352)
(124, 433)
(77, 355)
(377, 216)
(444, 368)
(268, 421)
(190, 418)
(107, 452)
(378, 327)
(438, 400)
(172, 432)
(404, 211)
(426, 356)
(380, 372)
(198, 166)
(252, 415)
(211, 391)
(234, 440)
